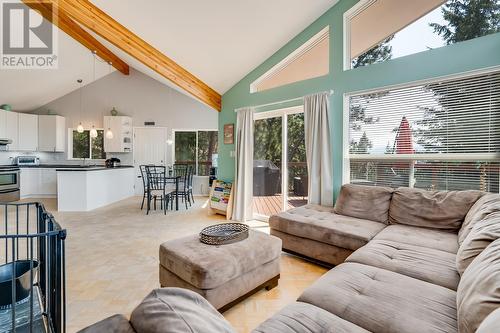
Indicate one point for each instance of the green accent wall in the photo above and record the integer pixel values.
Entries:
(462, 57)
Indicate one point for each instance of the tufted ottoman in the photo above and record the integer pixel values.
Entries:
(224, 274)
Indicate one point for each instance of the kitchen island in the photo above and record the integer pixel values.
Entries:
(85, 189)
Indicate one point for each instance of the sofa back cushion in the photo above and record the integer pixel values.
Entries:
(364, 202)
(171, 310)
(487, 204)
(478, 292)
(481, 235)
(444, 210)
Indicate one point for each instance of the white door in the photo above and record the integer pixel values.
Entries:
(150, 147)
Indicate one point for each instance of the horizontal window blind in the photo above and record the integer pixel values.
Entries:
(440, 135)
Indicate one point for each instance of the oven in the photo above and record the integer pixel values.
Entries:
(9, 183)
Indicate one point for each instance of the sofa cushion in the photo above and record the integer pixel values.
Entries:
(383, 301)
(321, 224)
(114, 324)
(486, 205)
(301, 317)
(364, 202)
(430, 238)
(481, 235)
(491, 324)
(444, 210)
(173, 310)
(479, 290)
(208, 267)
(434, 266)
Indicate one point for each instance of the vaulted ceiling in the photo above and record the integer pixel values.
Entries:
(218, 41)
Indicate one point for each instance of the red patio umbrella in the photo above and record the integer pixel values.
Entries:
(404, 145)
(404, 140)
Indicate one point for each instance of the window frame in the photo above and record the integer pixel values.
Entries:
(196, 155)
(70, 146)
(346, 21)
(346, 156)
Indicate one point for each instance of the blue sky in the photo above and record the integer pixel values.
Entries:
(418, 36)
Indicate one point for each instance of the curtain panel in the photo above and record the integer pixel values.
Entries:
(243, 184)
(318, 149)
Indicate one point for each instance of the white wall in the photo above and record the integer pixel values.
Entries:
(136, 95)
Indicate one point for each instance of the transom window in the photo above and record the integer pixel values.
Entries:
(308, 61)
(410, 27)
(440, 135)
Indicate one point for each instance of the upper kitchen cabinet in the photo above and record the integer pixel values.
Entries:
(28, 132)
(51, 133)
(9, 127)
(117, 134)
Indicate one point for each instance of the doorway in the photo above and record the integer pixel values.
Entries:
(150, 147)
(279, 166)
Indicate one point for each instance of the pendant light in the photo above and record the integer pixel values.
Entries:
(79, 129)
(109, 132)
(93, 131)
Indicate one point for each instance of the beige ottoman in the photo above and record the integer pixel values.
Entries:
(224, 274)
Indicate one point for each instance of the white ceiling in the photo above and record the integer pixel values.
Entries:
(219, 41)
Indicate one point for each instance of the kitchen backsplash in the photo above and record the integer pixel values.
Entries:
(57, 158)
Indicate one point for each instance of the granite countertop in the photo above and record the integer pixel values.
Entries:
(75, 167)
(92, 168)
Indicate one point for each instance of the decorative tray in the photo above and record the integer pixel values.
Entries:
(224, 233)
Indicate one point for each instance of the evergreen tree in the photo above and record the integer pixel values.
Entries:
(379, 53)
(363, 145)
(468, 19)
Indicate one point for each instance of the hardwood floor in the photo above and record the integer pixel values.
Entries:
(112, 262)
(270, 205)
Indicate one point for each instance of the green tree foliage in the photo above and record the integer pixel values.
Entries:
(362, 146)
(185, 147)
(81, 144)
(468, 19)
(267, 139)
(379, 53)
(207, 146)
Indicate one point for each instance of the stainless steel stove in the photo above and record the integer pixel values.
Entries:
(10, 180)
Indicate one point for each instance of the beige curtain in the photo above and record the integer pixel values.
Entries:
(243, 183)
(318, 149)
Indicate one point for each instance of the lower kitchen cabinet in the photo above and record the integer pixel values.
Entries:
(38, 182)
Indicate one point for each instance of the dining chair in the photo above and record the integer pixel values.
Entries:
(183, 193)
(144, 177)
(157, 187)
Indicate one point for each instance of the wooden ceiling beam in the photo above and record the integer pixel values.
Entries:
(91, 17)
(66, 24)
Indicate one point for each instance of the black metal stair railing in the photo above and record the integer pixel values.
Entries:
(32, 270)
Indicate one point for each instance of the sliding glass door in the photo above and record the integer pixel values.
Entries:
(279, 167)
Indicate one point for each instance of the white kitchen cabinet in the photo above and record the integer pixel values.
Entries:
(51, 133)
(121, 127)
(9, 128)
(38, 182)
(28, 132)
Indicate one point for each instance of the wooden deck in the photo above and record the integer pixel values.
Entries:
(270, 205)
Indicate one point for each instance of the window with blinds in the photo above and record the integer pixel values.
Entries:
(442, 135)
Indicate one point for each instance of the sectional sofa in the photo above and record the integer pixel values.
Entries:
(406, 260)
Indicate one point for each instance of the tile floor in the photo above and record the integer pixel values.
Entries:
(112, 262)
